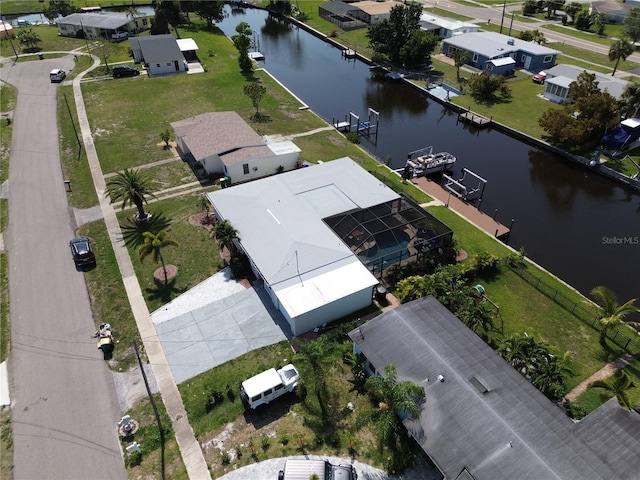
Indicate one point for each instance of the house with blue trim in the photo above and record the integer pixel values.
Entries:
(500, 54)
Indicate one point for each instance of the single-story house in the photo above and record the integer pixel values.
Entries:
(110, 25)
(443, 27)
(160, 54)
(558, 79)
(223, 143)
(357, 14)
(481, 419)
(304, 233)
(486, 47)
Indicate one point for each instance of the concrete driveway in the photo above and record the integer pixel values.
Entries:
(214, 322)
(64, 407)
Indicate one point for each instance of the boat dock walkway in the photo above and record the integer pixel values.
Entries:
(465, 210)
(474, 119)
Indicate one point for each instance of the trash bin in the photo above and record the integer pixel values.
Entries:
(381, 293)
(41, 56)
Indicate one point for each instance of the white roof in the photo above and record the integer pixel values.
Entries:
(279, 221)
(631, 122)
(499, 62)
(261, 382)
(446, 23)
(186, 44)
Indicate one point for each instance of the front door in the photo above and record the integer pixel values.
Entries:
(177, 65)
(527, 63)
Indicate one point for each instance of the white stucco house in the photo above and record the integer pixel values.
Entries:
(311, 276)
(443, 27)
(223, 143)
(109, 25)
(160, 54)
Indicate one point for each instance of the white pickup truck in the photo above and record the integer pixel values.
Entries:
(303, 469)
(269, 385)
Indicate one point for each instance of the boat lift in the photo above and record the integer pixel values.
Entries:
(353, 123)
(460, 190)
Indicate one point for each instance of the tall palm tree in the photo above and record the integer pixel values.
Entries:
(153, 245)
(132, 187)
(133, 12)
(393, 397)
(611, 312)
(619, 386)
(225, 233)
(620, 50)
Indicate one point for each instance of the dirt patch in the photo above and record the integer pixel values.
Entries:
(203, 219)
(461, 256)
(173, 147)
(172, 271)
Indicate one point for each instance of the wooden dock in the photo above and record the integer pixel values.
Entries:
(474, 119)
(465, 210)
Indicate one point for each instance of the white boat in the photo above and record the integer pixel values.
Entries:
(425, 162)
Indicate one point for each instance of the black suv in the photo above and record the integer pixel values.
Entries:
(82, 252)
(125, 71)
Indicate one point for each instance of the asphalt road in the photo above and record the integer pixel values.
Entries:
(64, 405)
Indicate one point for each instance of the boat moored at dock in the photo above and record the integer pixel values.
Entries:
(425, 162)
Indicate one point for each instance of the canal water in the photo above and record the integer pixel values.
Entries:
(578, 225)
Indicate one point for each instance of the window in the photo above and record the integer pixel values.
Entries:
(475, 57)
(268, 392)
(245, 168)
(547, 59)
(168, 64)
(279, 387)
(256, 398)
(158, 65)
(489, 66)
(523, 58)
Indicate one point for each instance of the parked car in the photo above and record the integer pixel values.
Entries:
(539, 77)
(119, 35)
(57, 75)
(120, 71)
(303, 469)
(82, 252)
(269, 385)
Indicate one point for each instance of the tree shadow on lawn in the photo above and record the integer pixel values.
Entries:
(163, 292)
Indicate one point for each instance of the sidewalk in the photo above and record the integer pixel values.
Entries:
(603, 373)
(189, 447)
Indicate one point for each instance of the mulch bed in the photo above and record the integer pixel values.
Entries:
(203, 219)
(172, 271)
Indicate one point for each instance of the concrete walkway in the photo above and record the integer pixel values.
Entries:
(189, 447)
(602, 374)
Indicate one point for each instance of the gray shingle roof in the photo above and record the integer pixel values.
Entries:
(615, 86)
(510, 432)
(158, 48)
(216, 132)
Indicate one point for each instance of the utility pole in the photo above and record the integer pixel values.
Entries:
(504, 7)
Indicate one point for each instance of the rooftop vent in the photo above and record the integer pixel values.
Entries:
(478, 384)
(511, 41)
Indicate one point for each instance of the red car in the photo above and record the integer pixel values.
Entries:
(539, 77)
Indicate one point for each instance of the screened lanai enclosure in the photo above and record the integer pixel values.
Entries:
(394, 232)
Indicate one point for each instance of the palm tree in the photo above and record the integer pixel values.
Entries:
(225, 233)
(317, 353)
(460, 57)
(477, 317)
(393, 397)
(30, 38)
(153, 245)
(132, 187)
(611, 313)
(630, 101)
(133, 12)
(620, 50)
(619, 386)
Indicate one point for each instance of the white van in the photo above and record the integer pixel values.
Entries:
(57, 75)
(269, 385)
(303, 469)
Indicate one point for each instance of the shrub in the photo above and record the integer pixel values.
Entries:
(353, 137)
(225, 458)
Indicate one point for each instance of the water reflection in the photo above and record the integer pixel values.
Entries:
(561, 212)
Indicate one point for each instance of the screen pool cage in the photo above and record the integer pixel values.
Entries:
(390, 233)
